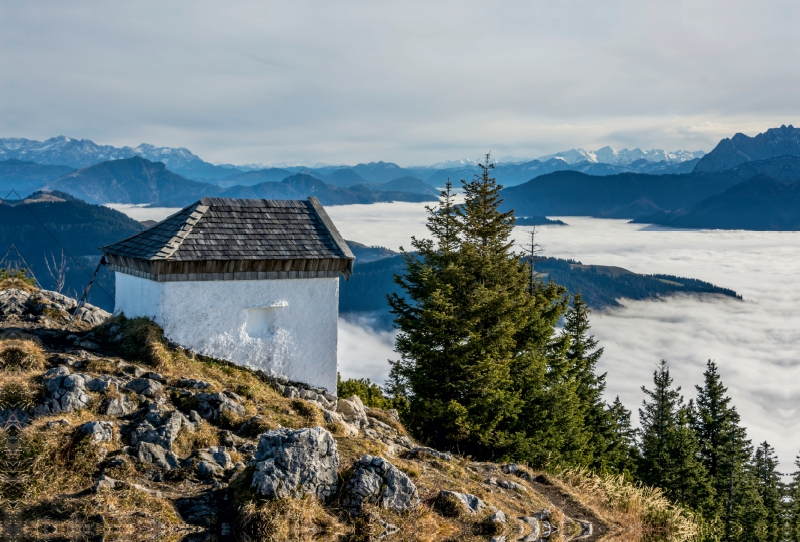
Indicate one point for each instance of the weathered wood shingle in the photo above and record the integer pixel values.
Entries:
(237, 235)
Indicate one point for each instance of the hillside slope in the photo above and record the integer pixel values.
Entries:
(762, 203)
(570, 193)
(111, 432)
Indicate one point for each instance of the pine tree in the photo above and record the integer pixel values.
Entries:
(792, 506)
(621, 454)
(470, 330)
(582, 357)
(658, 418)
(770, 489)
(727, 453)
(670, 456)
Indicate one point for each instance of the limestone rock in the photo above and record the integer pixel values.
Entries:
(211, 405)
(353, 411)
(148, 452)
(118, 406)
(469, 503)
(296, 462)
(144, 386)
(64, 392)
(97, 431)
(375, 480)
(160, 427)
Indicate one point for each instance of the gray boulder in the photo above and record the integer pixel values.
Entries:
(375, 480)
(296, 462)
(64, 392)
(119, 406)
(211, 405)
(467, 502)
(159, 427)
(148, 452)
(353, 411)
(97, 431)
(144, 386)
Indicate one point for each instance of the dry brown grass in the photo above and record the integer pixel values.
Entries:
(288, 519)
(17, 283)
(21, 354)
(639, 512)
(205, 435)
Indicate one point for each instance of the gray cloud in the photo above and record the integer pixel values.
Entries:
(410, 81)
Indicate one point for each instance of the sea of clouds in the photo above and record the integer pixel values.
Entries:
(755, 341)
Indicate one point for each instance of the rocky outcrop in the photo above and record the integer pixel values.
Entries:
(376, 481)
(211, 406)
(47, 309)
(147, 452)
(64, 392)
(296, 462)
(160, 427)
(452, 503)
(97, 431)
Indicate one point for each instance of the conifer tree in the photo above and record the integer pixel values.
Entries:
(470, 331)
(727, 453)
(621, 454)
(582, 357)
(792, 505)
(770, 489)
(670, 456)
(658, 418)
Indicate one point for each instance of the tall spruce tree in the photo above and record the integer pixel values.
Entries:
(792, 505)
(771, 490)
(727, 456)
(658, 418)
(670, 455)
(582, 356)
(470, 330)
(622, 453)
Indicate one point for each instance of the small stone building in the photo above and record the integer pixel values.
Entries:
(255, 282)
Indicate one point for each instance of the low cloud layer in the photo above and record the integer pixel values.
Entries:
(754, 341)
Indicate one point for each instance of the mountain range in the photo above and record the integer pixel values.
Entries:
(81, 153)
(759, 189)
(139, 181)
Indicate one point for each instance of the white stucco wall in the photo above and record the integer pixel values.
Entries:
(138, 297)
(284, 327)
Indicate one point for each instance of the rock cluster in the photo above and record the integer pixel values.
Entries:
(211, 406)
(375, 480)
(46, 309)
(65, 392)
(296, 462)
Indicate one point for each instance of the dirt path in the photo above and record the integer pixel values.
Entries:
(571, 508)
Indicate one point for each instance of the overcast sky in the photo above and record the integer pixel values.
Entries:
(409, 82)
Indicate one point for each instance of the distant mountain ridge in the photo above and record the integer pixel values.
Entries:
(81, 153)
(137, 180)
(740, 149)
(761, 203)
(624, 157)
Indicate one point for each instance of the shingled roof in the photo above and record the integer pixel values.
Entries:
(221, 238)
